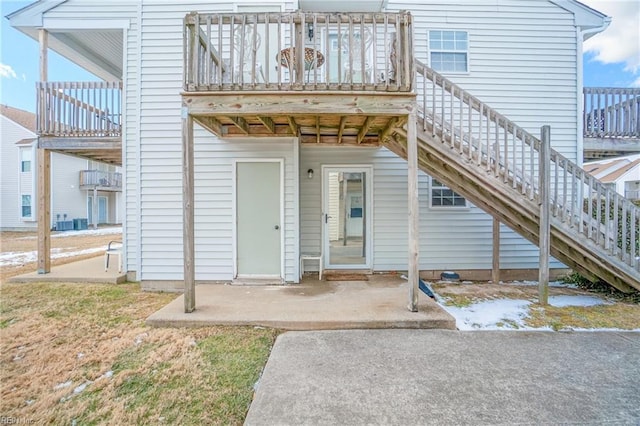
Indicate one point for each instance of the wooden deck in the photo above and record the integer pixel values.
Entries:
(81, 118)
(342, 79)
(611, 122)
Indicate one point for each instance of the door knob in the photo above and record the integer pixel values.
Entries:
(277, 227)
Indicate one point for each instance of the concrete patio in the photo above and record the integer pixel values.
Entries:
(379, 302)
(85, 271)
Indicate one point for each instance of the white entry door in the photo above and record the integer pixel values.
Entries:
(258, 219)
(346, 217)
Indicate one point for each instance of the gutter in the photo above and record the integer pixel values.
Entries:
(582, 35)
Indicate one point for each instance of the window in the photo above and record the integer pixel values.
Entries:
(449, 50)
(441, 196)
(26, 205)
(25, 157)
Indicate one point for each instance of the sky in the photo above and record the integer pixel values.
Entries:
(611, 59)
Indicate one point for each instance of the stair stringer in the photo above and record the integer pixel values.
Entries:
(507, 204)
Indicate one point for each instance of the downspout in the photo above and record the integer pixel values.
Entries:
(581, 36)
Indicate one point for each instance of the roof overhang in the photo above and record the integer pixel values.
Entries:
(590, 21)
(82, 42)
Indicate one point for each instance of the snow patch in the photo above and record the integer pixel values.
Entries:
(491, 314)
(20, 258)
(511, 314)
(579, 300)
(99, 231)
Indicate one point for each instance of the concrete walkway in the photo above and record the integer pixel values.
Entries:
(83, 271)
(380, 302)
(439, 377)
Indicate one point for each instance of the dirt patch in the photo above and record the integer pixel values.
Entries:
(482, 290)
(62, 244)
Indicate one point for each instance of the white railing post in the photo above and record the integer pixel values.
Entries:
(545, 210)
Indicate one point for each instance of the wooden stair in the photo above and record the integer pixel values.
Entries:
(492, 162)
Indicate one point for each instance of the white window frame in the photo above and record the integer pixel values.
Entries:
(455, 194)
(455, 50)
(22, 206)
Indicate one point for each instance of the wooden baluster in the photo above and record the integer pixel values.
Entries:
(607, 219)
(634, 236)
(565, 173)
(267, 45)
(625, 214)
(556, 184)
(480, 121)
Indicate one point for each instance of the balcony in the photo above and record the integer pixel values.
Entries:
(611, 121)
(338, 78)
(81, 118)
(100, 180)
(298, 51)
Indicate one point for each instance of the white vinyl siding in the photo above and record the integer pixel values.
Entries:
(67, 14)
(160, 161)
(13, 182)
(449, 238)
(523, 59)
(522, 56)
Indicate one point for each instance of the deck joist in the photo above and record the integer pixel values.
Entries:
(335, 118)
(97, 148)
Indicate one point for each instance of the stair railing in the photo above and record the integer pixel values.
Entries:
(485, 137)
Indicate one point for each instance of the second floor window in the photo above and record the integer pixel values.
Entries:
(449, 51)
(25, 163)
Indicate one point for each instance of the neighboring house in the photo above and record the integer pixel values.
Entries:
(306, 110)
(622, 174)
(72, 190)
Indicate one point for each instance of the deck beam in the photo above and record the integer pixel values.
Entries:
(301, 103)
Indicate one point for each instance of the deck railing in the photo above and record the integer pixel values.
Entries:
(102, 179)
(483, 136)
(298, 51)
(79, 109)
(611, 112)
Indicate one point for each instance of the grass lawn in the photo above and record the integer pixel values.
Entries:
(81, 354)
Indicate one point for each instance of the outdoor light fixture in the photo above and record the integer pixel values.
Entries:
(310, 173)
(310, 31)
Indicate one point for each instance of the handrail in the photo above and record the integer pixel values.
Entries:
(100, 178)
(490, 140)
(79, 109)
(298, 51)
(611, 112)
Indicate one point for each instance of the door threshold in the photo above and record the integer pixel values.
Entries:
(348, 271)
(257, 281)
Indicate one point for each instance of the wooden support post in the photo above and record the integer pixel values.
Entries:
(43, 38)
(545, 210)
(414, 222)
(44, 211)
(495, 267)
(94, 208)
(188, 209)
(44, 175)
